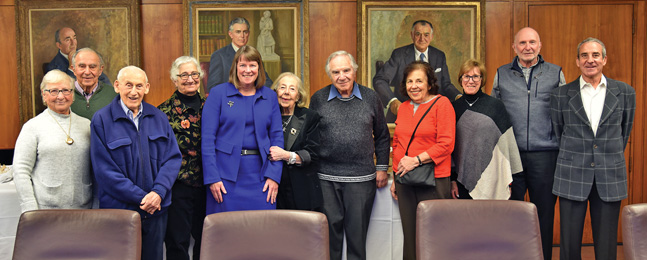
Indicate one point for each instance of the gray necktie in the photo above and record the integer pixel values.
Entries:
(422, 57)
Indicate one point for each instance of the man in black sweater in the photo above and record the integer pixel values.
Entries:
(352, 130)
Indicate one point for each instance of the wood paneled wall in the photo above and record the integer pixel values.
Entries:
(333, 26)
(162, 43)
(9, 115)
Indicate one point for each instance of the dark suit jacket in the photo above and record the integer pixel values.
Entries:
(223, 125)
(393, 70)
(59, 62)
(219, 67)
(585, 158)
(302, 137)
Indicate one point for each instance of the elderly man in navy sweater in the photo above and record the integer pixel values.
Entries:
(352, 131)
(135, 158)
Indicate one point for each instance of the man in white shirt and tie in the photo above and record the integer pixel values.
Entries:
(391, 73)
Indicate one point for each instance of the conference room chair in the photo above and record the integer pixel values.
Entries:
(634, 231)
(265, 234)
(477, 229)
(78, 234)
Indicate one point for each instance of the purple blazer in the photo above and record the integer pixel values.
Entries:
(223, 130)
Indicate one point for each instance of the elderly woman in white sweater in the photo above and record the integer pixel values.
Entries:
(52, 156)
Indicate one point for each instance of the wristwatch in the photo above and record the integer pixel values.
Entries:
(293, 158)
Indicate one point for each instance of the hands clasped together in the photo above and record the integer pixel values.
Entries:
(151, 202)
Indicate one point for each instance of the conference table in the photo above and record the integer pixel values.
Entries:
(384, 233)
(9, 215)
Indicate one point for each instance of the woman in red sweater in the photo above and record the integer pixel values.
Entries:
(433, 143)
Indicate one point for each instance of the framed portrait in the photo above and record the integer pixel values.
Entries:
(458, 30)
(276, 30)
(109, 27)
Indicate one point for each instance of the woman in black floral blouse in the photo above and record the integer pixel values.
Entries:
(187, 210)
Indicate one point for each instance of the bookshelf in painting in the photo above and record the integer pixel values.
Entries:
(212, 32)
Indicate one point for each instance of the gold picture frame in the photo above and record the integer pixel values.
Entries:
(206, 26)
(459, 31)
(110, 27)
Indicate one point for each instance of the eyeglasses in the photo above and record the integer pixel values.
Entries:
(475, 78)
(54, 92)
(194, 75)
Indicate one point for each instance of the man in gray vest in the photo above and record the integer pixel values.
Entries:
(524, 86)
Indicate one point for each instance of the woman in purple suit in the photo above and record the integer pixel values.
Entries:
(241, 120)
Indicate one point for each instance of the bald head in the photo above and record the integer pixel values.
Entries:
(527, 31)
(65, 40)
(527, 46)
(130, 70)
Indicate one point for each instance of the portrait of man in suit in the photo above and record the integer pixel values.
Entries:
(65, 39)
(55, 34)
(222, 59)
(592, 119)
(391, 73)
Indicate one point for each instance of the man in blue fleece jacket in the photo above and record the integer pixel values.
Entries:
(135, 158)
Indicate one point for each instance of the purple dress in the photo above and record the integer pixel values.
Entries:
(246, 193)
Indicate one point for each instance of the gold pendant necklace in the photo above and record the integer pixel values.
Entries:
(69, 139)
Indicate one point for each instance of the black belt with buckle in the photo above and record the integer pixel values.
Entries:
(249, 152)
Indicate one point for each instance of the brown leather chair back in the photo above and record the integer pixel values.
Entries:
(265, 234)
(477, 229)
(634, 231)
(78, 234)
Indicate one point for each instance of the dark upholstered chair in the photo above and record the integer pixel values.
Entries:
(477, 229)
(634, 231)
(265, 234)
(78, 234)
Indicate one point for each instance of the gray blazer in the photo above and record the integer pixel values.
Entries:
(219, 67)
(585, 158)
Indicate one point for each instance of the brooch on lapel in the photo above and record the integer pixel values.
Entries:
(230, 103)
(293, 131)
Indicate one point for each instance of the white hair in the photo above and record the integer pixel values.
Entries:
(123, 70)
(175, 67)
(340, 53)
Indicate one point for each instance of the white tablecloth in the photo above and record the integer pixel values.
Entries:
(9, 215)
(385, 237)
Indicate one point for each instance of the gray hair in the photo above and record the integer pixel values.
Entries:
(302, 99)
(423, 23)
(123, 70)
(339, 53)
(238, 20)
(57, 36)
(53, 77)
(591, 39)
(175, 67)
(88, 50)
